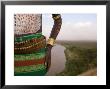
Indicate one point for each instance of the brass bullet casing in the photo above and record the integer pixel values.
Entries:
(30, 46)
(20, 49)
(51, 41)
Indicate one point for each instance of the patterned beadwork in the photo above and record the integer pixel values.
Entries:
(29, 68)
(27, 37)
(26, 23)
(29, 45)
(37, 55)
(29, 62)
(31, 48)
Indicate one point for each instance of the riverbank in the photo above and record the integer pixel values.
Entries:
(79, 58)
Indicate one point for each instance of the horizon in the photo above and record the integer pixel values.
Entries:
(74, 26)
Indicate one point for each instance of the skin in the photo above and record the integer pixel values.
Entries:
(55, 31)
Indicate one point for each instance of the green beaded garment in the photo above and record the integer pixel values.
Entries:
(29, 45)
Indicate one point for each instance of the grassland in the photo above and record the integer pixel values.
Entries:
(80, 57)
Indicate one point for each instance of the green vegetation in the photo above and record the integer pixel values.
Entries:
(79, 59)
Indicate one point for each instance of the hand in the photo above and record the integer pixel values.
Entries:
(48, 56)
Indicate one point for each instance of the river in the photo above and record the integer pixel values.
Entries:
(58, 60)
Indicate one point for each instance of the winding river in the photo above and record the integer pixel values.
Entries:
(58, 60)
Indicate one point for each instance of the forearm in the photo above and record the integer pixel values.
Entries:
(57, 25)
(56, 28)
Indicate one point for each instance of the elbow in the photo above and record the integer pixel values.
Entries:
(57, 19)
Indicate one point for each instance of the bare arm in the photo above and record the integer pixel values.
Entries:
(55, 30)
(56, 27)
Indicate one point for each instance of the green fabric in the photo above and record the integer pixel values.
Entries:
(37, 55)
(28, 37)
(30, 68)
(33, 73)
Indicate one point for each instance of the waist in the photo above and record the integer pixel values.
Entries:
(29, 43)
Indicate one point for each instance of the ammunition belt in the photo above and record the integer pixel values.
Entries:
(28, 42)
(29, 46)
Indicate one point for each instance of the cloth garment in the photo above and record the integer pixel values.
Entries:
(29, 45)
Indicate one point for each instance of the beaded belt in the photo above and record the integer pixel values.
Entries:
(29, 46)
(29, 62)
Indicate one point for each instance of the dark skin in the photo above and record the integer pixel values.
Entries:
(55, 30)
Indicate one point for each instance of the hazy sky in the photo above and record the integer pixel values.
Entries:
(74, 26)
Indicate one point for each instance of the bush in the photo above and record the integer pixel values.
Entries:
(79, 60)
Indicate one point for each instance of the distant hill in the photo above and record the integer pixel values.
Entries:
(87, 44)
